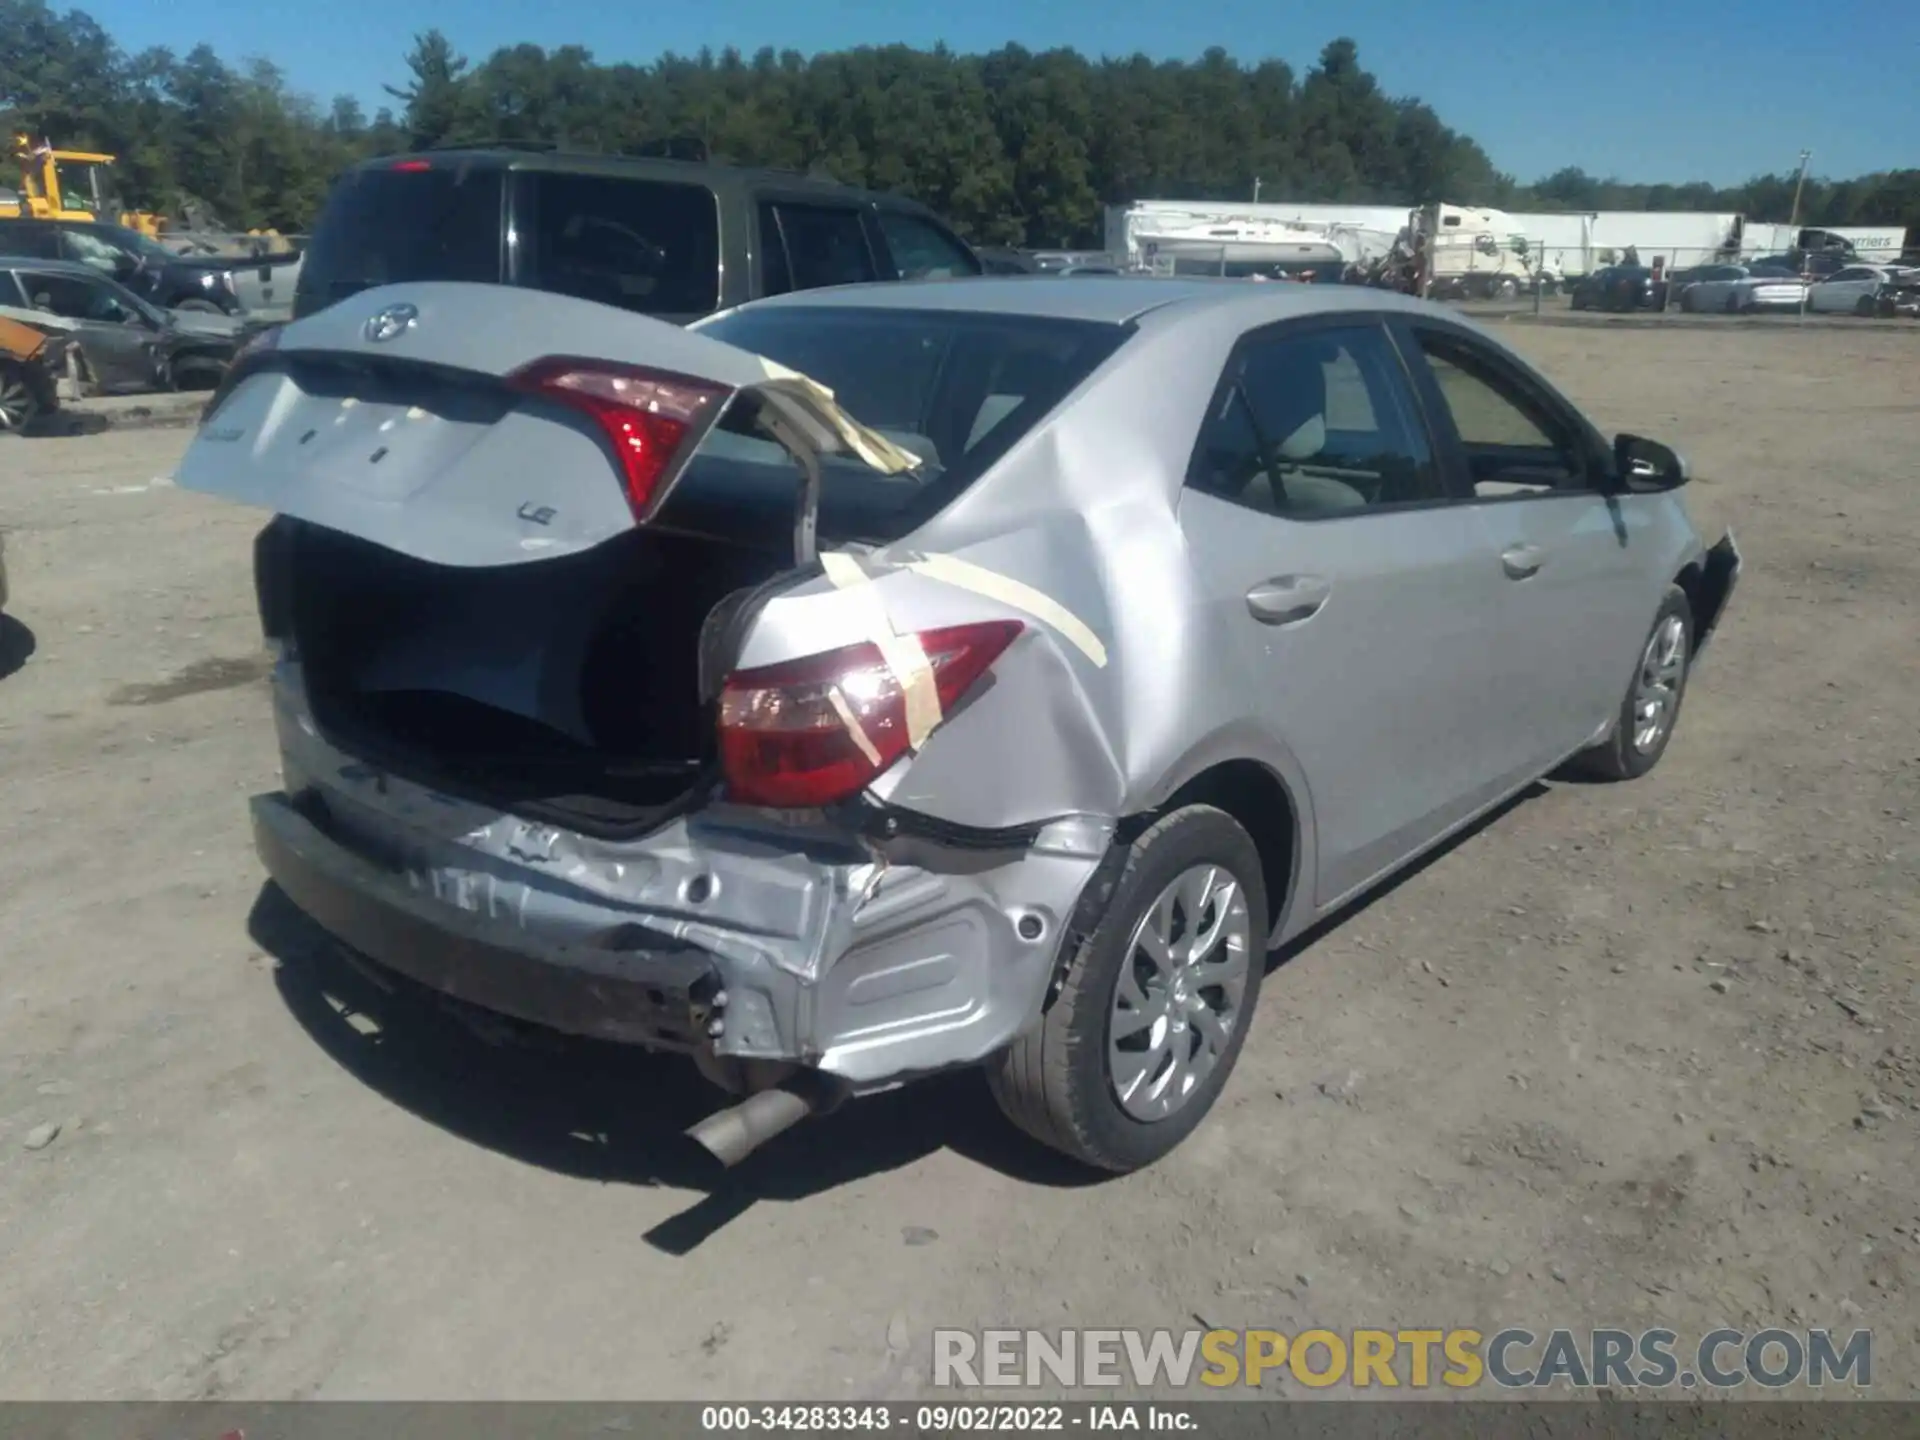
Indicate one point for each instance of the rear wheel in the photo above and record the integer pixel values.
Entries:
(1652, 706)
(1505, 288)
(19, 406)
(199, 306)
(1865, 306)
(1154, 1007)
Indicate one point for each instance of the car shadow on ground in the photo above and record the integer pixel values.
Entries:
(610, 1113)
(17, 644)
(613, 1114)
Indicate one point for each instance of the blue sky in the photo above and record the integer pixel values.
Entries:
(1632, 88)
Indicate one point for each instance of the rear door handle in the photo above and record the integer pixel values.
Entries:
(1287, 599)
(1520, 561)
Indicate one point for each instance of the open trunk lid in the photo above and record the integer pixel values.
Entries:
(478, 425)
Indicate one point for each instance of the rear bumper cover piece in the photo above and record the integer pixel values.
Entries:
(758, 936)
(661, 995)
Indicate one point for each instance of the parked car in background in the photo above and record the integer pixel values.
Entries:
(1854, 290)
(1901, 294)
(1743, 290)
(220, 285)
(125, 344)
(1077, 679)
(672, 238)
(31, 364)
(1620, 287)
(1007, 262)
(1810, 264)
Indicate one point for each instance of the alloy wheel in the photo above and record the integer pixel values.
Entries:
(1180, 992)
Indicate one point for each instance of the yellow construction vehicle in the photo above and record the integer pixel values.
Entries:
(87, 192)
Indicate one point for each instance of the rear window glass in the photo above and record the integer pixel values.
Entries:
(385, 227)
(650, 246)
(957, 390)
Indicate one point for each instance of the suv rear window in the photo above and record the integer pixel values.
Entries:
(651, 246)
(383, 227)
(956, 389)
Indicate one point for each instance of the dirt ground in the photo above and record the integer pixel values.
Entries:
(1636, 1055)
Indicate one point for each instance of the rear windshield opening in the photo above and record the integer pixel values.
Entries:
(956, 390)
(386, 227)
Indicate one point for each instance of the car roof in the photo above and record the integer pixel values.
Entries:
(713, 173)
(1108, 299)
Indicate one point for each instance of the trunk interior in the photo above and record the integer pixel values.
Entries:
(566, 690)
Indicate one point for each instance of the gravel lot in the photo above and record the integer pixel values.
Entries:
(1636, 1055)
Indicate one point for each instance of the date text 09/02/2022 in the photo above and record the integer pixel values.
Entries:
(942, 1419)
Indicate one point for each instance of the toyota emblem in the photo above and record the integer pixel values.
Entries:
(393, 320)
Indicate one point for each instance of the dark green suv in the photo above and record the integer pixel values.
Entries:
(674, 239)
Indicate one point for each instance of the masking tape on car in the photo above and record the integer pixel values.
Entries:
(855, 730)
(1014, 594)
(871, 446)
(903, 653)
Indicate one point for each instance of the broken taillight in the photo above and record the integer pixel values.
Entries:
(814, 731)
(648, 416)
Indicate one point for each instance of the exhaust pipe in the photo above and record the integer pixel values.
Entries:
(732, 1134)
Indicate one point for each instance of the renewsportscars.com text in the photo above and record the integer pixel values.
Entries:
(1417, 1359)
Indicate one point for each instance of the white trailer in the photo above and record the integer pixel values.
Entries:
(1875, 244)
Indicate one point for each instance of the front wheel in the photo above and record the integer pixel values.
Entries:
(1150, 1016)
(1652, 705)
(19, 406)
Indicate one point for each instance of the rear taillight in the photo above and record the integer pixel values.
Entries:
(648, 416)
(817, 730)
(411, 165)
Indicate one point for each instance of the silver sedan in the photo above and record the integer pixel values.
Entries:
(1739, 290)
(873, 681)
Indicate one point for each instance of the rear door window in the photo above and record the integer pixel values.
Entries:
(650, 246)
(823, 245)
(29, 239)
(425, 221)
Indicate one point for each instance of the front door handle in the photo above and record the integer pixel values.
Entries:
(1520, 561)
(1287, 599)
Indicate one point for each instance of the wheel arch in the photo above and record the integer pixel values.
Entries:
(1263, 805)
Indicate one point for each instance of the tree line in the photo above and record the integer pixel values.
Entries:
(1014, 147)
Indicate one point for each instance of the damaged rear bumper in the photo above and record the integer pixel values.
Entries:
(658, 993)
(733, 934)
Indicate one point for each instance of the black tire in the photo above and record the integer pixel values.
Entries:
(1505, 288)
(200, 306)
(1686, 301)
(19, 399)
(1618, 757)
(1864, 307)
(1054, 1082)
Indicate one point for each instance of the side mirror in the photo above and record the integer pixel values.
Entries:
(1646, 467)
